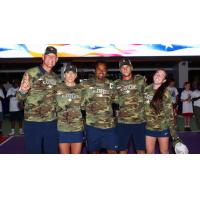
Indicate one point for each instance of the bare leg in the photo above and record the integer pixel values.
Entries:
(12, 124)
(76, 148)
(150, 144)
(140, 151)
(111, 151)
(20, 124)
(185, 121)
(123, 152)
(95, 152)
(164, 145)
(64, 148)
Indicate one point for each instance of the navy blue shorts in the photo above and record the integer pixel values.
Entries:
(41, 137)
(97, 138)
(70, 137)
(128, 132)
(1, 116)
(164, 133)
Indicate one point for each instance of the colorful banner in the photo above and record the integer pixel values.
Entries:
(110, 50)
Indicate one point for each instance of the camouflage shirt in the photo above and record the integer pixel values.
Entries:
(98, 98)
(163, 120)
(69, 114)
(40, 104)
(130, 98)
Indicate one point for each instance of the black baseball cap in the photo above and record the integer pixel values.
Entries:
(50, 49)
(124, 61)
(70, 67)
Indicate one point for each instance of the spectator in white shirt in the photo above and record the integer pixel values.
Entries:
(187, 108)
(196, 104)
(16, 114)
(1, 109)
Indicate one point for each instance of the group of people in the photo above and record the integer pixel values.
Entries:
(15, 107)
(61, 116)
(190, 105)
(190, 102)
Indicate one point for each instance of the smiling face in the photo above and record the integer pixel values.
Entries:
(126, 70)
(159, 77)
(49, 61)
(70, 77)
(101, 71)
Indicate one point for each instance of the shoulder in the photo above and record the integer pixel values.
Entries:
(57, 78)
(195, 92)
(175, 89)
(148, 88)
(10, 89)
(87, 83)
(79, 86)
(33, 71)
(108, 81)
(139, 77)
(184, 92)
(167, 93)
(117, 82)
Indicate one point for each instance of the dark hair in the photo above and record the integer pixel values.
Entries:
(100, 62)
(185, 83)
(157, 101)
(171, 80)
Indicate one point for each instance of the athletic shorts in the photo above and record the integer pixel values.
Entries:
(16, 116)
(97, 138)
(70, 137)
(41, 137)
(1, 116)
(131, 132)
(164, 133)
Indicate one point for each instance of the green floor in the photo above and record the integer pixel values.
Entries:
(192, 124)
(7, 128)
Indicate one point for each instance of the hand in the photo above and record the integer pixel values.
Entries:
(25, 84)
(176, 140)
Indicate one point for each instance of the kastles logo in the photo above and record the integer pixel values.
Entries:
(127, 87)
(101, 91)
(72, 96)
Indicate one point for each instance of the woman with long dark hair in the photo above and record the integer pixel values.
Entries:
(158, 113)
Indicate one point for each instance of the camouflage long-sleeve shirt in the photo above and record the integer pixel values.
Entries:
(40, 102)
(98, 99)
(130, 97)
(69, 100)
(165, 119)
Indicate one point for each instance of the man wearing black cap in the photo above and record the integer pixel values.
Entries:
(38, 88)
(131, 109)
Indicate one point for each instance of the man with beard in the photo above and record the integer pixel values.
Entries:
(100, 123)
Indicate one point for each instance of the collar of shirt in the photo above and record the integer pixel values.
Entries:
(42, 69)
